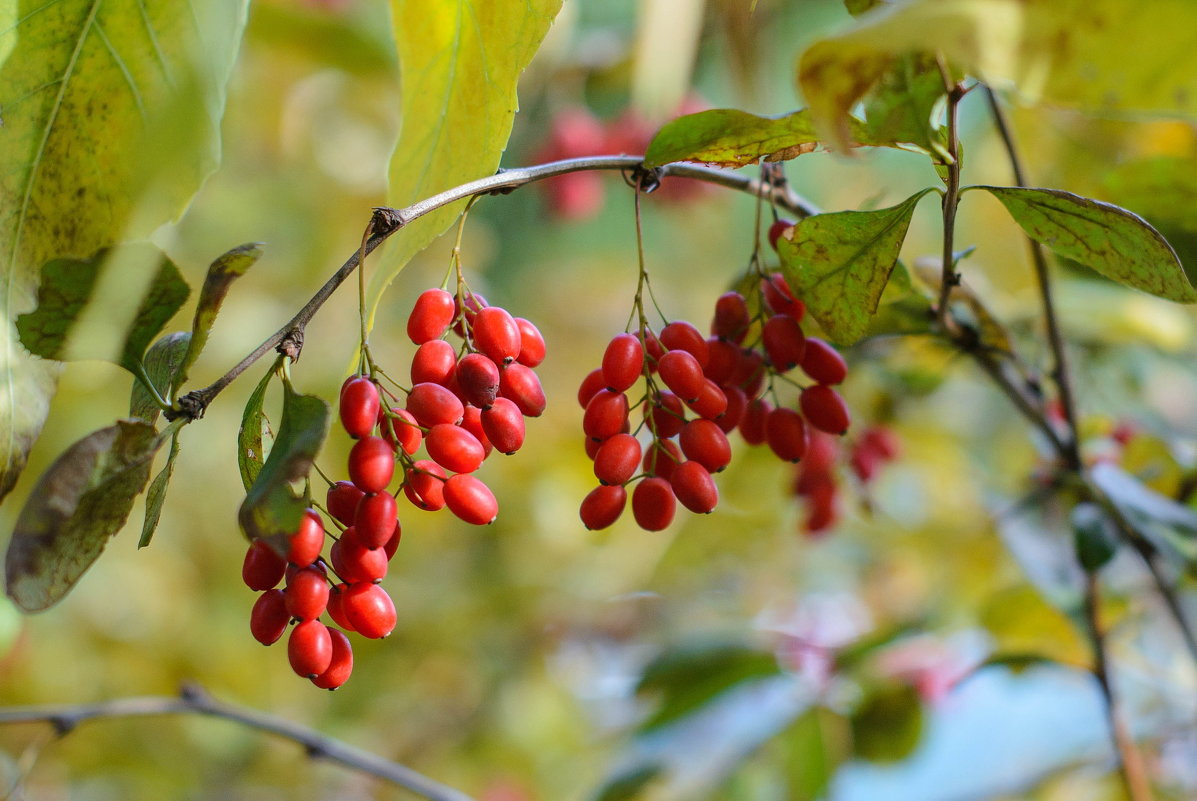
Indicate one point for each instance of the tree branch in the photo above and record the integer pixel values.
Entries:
(387, 221)
(194, 700)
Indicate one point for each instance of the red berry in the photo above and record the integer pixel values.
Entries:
(354, 562)
(393, 543)
(864, 463)
(375, 519)
(336, 606)
(662, 459)
(780, 298)
(471, 421)
(592, 448)
(694, 487)
(591, 384)
(371, 464)
(882, 440)
(402, 431)
(341, 664)
(653, 348)
(431, 315)
(262, 568)
(682, 373)
(605, 414)
(704, 442)
(818, 464)
(496, 334)
(822, 513)
(454, 448)
(722, 360)
(309, 648)
(342, 500)
(478, 378)
(425, 485)
(653, 504)
(435, 362)
(666, 415)
(680, 335)
(532, 347)
(753, 425)
(711, 401)
(603, 506)
(306, 594)
(778, 229)
(824, 409)
(305, 544)
(431, 404)
(269, 617)
(519, 383)
(370, 609)
(823, 363)
(359, 407)
(784, 342)
(504, 425)
(785, 432)
(470, 499)
(731, 319)
(623, 362)
(617, 459)
(474, 302)
(749, 374)
(737, 402)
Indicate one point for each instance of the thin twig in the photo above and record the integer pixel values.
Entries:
(387, 221)
(951, 199)
(1060, 373)
(193, 700)
(1134, 773)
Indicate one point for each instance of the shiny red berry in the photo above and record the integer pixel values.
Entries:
(354, 562)
(431, 315)
(605, 414)
(371, 464)
(359, 406)
(496, 334)
(592, 383)
(306, 594)
(269, 617)
(704, 442)
(402, 431)
(434, 362)
(823, 363)
(824, 409)
(374, 520)
(341, 664)
(532, 347)
(454, 448)
(617, 459)
(653, 504)
(503, 423)
(623, 362)
(309, 648)
(519, 383)
(424, 485)
(681, 335)
(785, 431)
(784, 342)
(478, 378)
(603, 506)
(342, 500)
(682, 373)
(263, 567)
(370, 609)
(470, 499)
(694, 487)
(431, 403)
(305, 544)
(731, 319)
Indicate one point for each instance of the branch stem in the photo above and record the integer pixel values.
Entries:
(193, 700)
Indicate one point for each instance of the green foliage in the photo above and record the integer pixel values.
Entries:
(81, 501)
(62, 297)
(1112, 241)
(889, 723)
(1095, 535)
(460, 62)
(255, 427)
(1106, 56)
(811, 749)
(1169, 526)
(900, 107)
(840, 262)
(271, 507)
(162, 363)
(221, 274)
(155, 496)
(111, 122)
(731, 138)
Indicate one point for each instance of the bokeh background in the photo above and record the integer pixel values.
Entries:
(511, 674)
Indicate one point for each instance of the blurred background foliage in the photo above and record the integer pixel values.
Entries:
(843, 666)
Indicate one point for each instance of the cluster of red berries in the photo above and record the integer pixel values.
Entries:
(817, 480)
(712, 385)
(460, 407)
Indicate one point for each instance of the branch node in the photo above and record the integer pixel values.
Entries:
(192, 406)
(645, 179)
(193, 694)
(62, 724)
(291, 344)
(386, 221)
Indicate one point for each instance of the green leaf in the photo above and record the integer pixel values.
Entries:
(67, 285)
(1106, 56)
(811, 750)
(1120, 245)
(111, 121)
(1095, 536)
(888, 725)
(156, 494)
(731, 138)
(1167, 524)
(460, 61)
(162, 363)
(627, 784)
(687, 677)
(1019, 662)
(840, 262)
(221, 275)
(79, 502)
(254, 428)
(271, 508)
(900, 107)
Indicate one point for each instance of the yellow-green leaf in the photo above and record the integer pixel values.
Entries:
(731, 138)
(111, 114)
(221, 275)
(459, 61)
(1097, 55)
(840, 262)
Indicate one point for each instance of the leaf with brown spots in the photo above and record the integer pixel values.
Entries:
(731, 138)
(1110, 240)
(840, 262)
(111, 121)
(78, 504)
